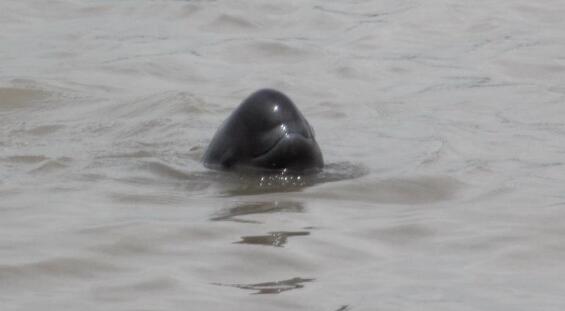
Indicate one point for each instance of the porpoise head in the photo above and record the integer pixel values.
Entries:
(266, 132)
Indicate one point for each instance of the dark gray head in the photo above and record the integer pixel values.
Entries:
(266, 132)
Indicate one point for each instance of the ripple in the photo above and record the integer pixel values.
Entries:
(125, 292)
(277, 239)
(146, 198)
(128, 246)
(50, 166)
(26, 159)
(42, 130)
(250, 208)
(17, 98)
(229, 23)
(275, 287)
(261, 182)
(134, 154)
(267, 51)
(57, 267)
(404, 233)
(167, 171)
(416, 190)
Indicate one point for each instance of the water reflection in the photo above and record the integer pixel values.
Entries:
(275, 287)
(250, 208)
(252, 183)
(277, 239)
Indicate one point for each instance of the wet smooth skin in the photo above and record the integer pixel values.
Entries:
(266, 132)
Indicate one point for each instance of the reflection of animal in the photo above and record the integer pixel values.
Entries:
(265, 132)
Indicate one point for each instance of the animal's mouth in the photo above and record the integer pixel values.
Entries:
(291, 151)
(271, 146)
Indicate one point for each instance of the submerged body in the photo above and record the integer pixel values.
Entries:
(266, 132)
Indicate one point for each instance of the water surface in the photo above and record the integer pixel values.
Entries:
(442, 122)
